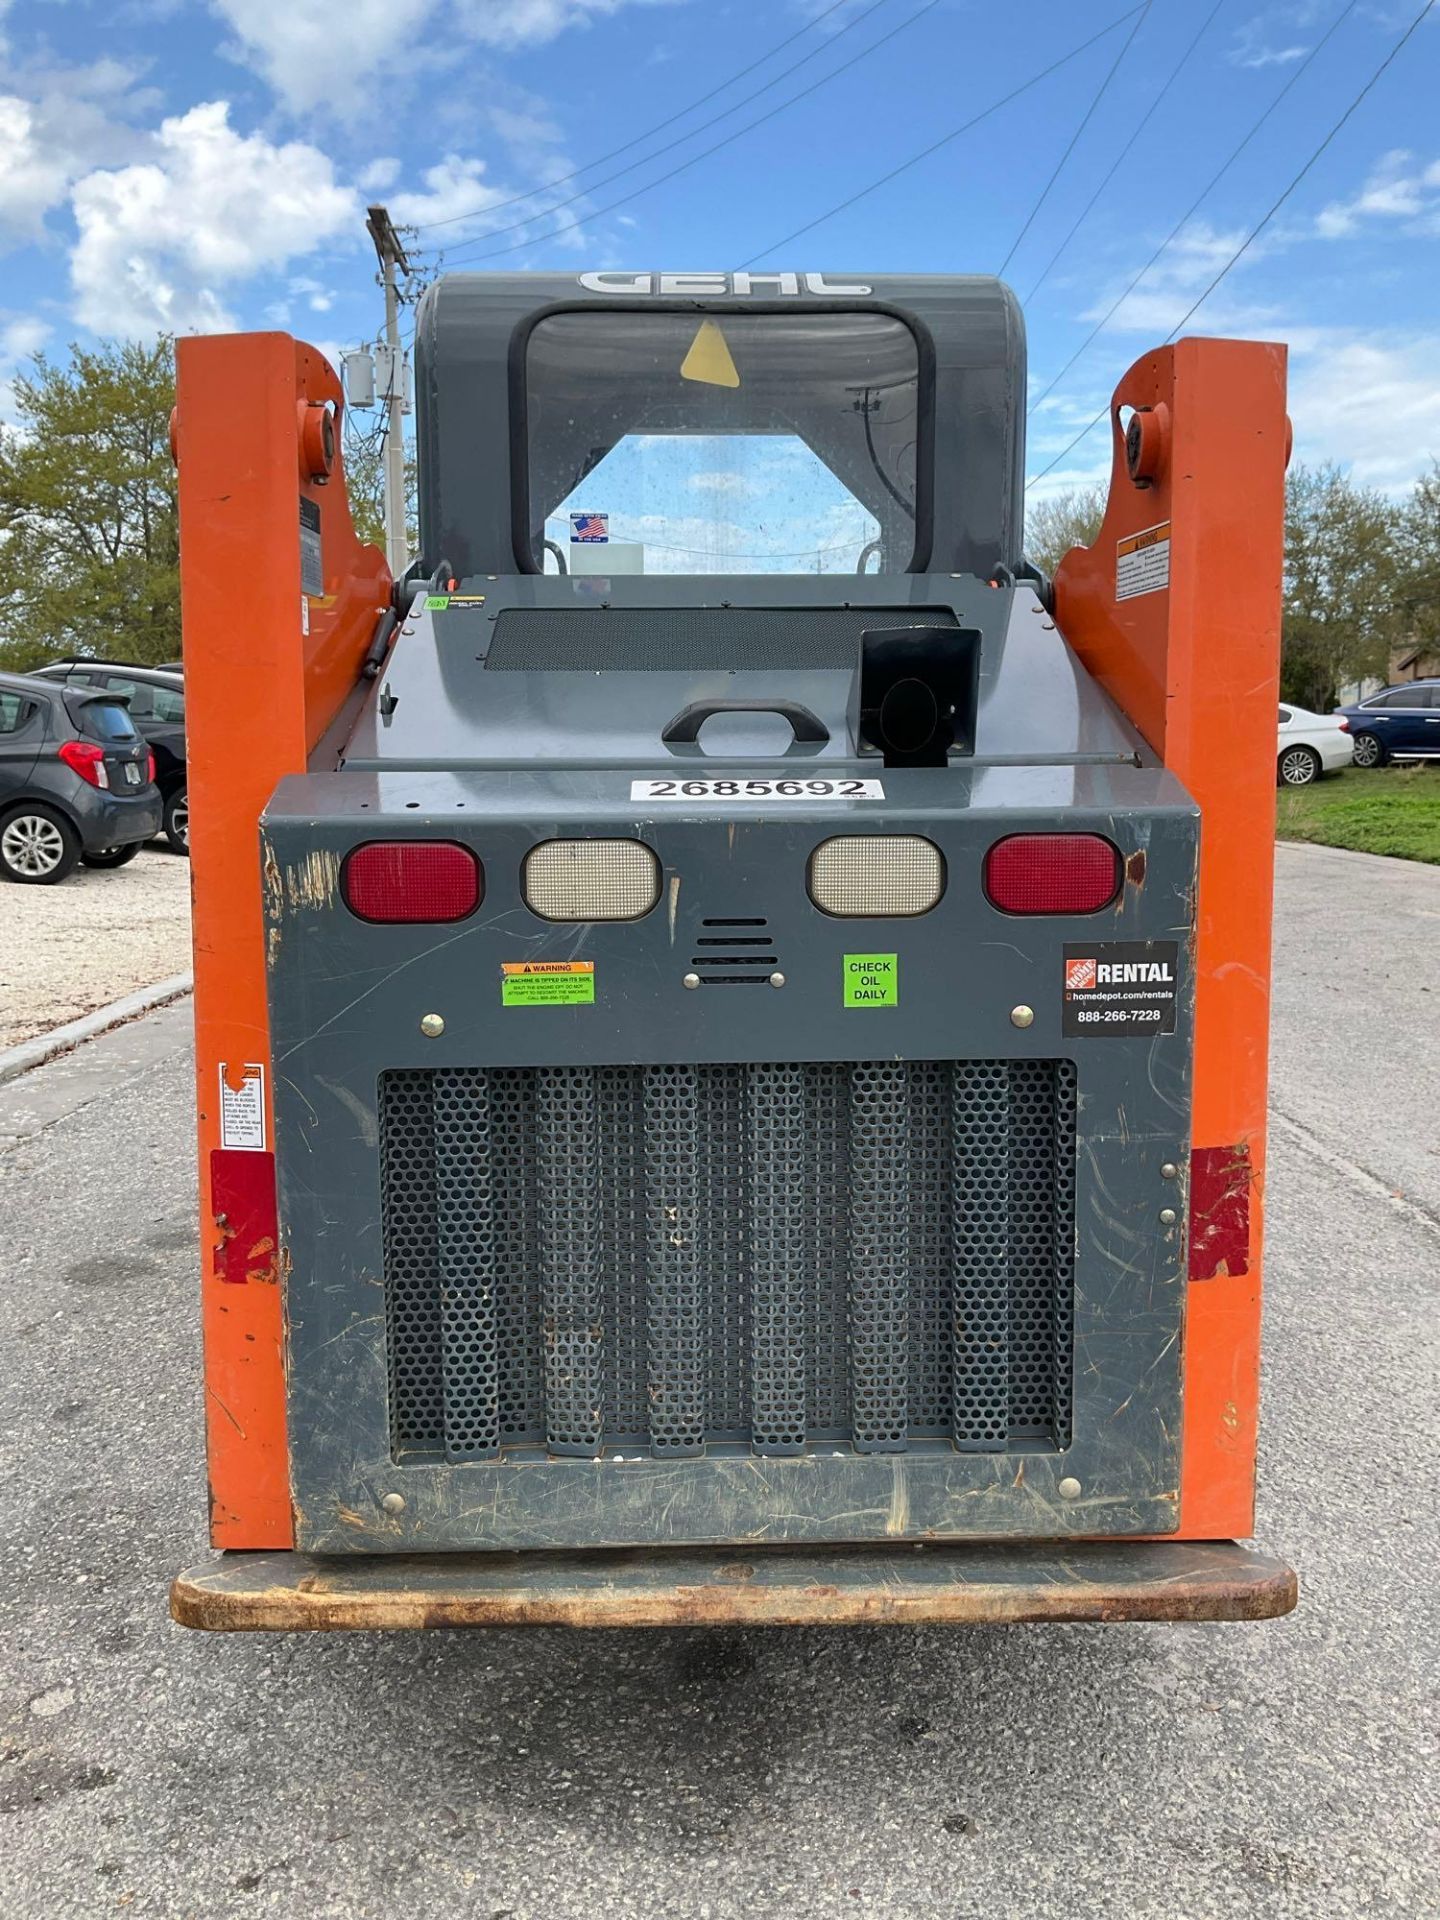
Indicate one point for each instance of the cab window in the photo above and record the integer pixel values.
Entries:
(745, 443)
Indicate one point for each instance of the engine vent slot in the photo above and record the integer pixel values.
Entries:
(734, 953)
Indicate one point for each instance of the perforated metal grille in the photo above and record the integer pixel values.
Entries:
(879, 1254)
(692, 639)
(879, 873)
(591, 879)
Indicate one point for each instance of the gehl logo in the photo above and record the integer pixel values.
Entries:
(741, 285)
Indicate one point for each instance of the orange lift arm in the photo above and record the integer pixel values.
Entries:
(1176, 611)
(280, 600)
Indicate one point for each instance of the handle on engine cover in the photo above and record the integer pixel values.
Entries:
(684, 729)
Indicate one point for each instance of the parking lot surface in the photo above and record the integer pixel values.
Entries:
(1175, 1772)
(72, 948)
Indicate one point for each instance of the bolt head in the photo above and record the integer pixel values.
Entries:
(393, 1502)
(432, 1025)
(692, 980)
(1168, 1216)
(1069, 1488)
(777, 979)
(1022, 1016)
(1169, 1170)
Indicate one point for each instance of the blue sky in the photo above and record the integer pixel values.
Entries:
(169, 165)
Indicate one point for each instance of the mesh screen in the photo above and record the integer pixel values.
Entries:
(890, 874)
(879, 1254)
(591, 880)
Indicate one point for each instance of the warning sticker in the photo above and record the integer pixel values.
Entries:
(548, 983)
(1120, 987)
(870, 980)
(242, 1107)
(436, 602)
(1142, 562)
(312, 558)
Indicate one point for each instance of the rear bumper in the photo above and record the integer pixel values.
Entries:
(967, 1585)
(116, 820)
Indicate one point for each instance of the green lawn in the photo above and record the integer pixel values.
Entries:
(1393, 810)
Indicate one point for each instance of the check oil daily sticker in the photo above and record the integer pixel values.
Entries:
(870, 980)
(547, 983)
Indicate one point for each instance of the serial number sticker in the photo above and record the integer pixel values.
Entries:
(547, 983)
(756, 790)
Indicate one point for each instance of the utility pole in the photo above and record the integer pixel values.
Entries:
(392, 257)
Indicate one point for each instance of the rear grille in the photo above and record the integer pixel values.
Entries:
(875, 1254)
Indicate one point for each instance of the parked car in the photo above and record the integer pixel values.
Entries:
(1311, 744)
(156, 697)
(77, 782)
(1400, 723)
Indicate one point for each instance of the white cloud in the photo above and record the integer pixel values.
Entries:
(21, 336)
(64, 122)
(1371, 402)
(315, 54)
(1400, 187)
(508, 24)
(160, 241)
(455, 191)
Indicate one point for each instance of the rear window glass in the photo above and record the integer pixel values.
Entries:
(107, 720)
(728, 443)
(12, 711)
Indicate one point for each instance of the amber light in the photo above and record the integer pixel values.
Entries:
(1052, 873)
(412, 880)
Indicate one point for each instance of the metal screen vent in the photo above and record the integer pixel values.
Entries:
(879, 1255)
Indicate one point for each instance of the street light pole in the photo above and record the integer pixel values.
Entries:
(392, 257)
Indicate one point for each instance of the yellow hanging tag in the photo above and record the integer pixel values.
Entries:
(709, 359)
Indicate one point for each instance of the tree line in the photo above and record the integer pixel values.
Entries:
(1361, 579)
(89, 535)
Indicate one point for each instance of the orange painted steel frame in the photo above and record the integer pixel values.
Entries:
(267, 666)
(1195, 666)
(1197, 669)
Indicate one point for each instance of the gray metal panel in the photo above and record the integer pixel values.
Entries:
(443, 709)
(466, 327)
(346, 1002)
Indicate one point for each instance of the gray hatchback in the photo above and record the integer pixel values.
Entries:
(77, 782)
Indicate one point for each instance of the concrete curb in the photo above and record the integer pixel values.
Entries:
(45, 1046)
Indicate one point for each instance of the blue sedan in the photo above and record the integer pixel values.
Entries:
(1402, 723)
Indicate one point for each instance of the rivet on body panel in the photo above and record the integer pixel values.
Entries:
(692, 980)
(432, 1025)
(1022, 1016)
(1168, 1216)
(393, 1502)
(1069, 1488)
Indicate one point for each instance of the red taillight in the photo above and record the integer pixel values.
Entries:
(1052, 873)
(1343, 724)
(150, 764)
(412, 880)
(86, 759)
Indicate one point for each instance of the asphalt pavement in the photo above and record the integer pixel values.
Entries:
(1177, 1772)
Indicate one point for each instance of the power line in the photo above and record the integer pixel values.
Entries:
(593, 186)
(729, 139)
(1124, 153)
(1260, 225)
(498, 206)
(1205, 191)
(884, 180)
(1087, 117)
